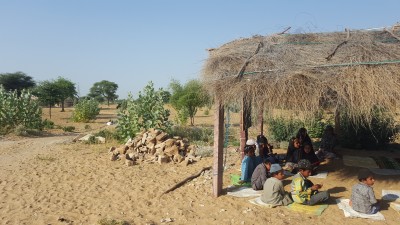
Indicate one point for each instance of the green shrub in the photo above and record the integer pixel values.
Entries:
(194, 134)
(282, 129)
(146, 112)
(88, 127)
(207, 112)
(86, 110)
(68, 128)
(182, 116)
(20, 130)
(19, 109)
(316, 126)
(48, 124)
(377, 134)
(106, 221)
(107, 134)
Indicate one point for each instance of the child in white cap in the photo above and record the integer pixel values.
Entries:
(274, 193)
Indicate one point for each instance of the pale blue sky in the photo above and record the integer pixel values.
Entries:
(134, 42)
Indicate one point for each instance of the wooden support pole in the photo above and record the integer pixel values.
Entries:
(218, 167)
(260, 119)
(337, 122)
(244, 135)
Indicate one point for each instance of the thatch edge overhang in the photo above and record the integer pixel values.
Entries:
(357, 70)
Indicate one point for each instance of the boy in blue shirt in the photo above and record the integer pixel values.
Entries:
(249, 163)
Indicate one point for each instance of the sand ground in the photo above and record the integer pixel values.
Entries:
(51, 180)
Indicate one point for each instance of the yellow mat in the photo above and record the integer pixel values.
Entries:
(357, 161)
(313, 210)
(235, 181)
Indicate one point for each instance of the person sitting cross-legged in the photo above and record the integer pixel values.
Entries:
(274, 192)
(303, 190)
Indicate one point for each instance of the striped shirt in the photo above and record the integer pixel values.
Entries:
(300, 188)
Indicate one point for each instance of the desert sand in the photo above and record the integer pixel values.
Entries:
(52, 180)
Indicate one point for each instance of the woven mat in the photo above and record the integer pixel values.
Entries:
(243, 192)
(235, 181)
(313, 210)
(387, 163)
(257, 201)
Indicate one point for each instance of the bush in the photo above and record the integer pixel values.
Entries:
(68, 128)
(377, 134)
(107, 134)
(143, 113)
(86, 110)
(205, 135)
(18, 110)
(48, 124)
(282, 129)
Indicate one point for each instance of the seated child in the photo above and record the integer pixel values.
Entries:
(249, 163)
(309, 154)
(292, 155)
(303, 190)
(260, 175)
(274, 193)
(265, 149)
(362, 195)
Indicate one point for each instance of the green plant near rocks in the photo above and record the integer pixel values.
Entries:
(194, 134)
(19, 109)
(86, 110)
(146, 112)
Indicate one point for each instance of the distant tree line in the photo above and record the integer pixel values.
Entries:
(52, 92)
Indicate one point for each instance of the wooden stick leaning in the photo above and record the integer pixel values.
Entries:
(337, 47)
(185, 180)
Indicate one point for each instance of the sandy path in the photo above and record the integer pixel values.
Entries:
(45, 178)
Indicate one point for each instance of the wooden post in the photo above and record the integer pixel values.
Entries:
(261, 119)
(218, 167)
(337, 122)
(244, 135)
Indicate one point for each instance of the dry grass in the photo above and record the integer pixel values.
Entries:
(294, 72)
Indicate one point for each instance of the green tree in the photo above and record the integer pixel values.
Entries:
(147, 111)
(16, 81)
(104, 90)
(188, 98)
(86, 110)
(48, 93)
(66, 89)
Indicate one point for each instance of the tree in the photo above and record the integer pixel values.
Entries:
(48, 93)
(188, 98)
(104, 89)
(146, 112)
(16, 81)
(66, 88)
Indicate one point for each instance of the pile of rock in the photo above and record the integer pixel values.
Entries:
(155, 146)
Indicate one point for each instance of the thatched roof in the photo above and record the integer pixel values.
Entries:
(355, 70)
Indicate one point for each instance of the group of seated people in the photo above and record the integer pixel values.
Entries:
(264, 172)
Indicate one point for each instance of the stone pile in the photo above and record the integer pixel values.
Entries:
(155, 146)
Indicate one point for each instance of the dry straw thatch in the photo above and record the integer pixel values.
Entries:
(352, 70)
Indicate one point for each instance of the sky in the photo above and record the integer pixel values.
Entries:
(133, 42)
